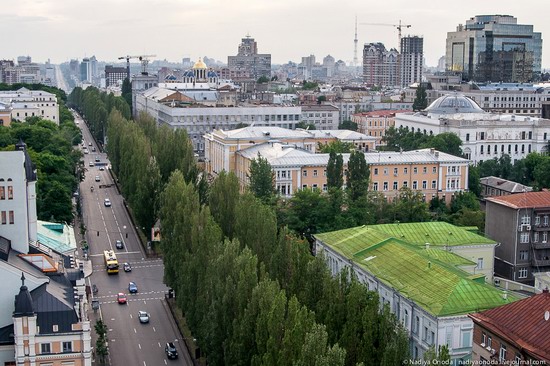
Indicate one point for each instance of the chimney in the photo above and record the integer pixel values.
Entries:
(432, 150)
(545, 291)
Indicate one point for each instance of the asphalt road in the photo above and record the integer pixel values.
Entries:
(130, 342)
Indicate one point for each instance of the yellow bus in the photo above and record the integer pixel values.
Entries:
(111, 263)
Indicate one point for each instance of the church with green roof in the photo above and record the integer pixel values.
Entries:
(430, 274)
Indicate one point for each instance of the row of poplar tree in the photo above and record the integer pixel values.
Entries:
(250, 290)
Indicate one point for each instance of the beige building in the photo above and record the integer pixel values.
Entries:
(429, 171)
(375, 123)
(221, 146)
(31, 103)
(5, 114)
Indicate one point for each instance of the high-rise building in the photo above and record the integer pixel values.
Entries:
(248, 62)
(380, 66)
(113, 74)
(412, 55)
(495, 48)
(85, 70)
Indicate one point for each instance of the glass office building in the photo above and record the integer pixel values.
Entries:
(494, 48)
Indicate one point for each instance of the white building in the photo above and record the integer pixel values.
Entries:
(31, 103)
(323, 116)
(484, 135)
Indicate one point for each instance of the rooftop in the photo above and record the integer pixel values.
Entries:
(453, 103)
(432, 277)
(523, 200)
(58, 237)
(525, 323)
(505, 185)
(381, 113)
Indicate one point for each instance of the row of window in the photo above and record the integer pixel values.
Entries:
(239, 118)
(4, 217)
(385, 185)
(495, 149)
(46, 348)
(487, 342)
(3, 192)
(526, 220)
(524, 237)
(524, 136)
(415, 170)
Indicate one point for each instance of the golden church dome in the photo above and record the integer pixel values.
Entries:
(199, 65)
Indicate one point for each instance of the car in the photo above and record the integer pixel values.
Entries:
(91, 163)
(97, 159)
(127, 267)
(107, 202)
(143, 316)
(97, 178)
(171, 350)
(121, 298)
(132, 288)
(119, 244)
(93, 149)
(86, 151)
(89, 144)
(101, 168)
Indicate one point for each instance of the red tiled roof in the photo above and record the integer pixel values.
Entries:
(523, 200)
(522, 323)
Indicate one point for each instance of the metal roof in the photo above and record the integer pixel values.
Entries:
(267, 132)
(522, 323)
(505, 185)
(523, 200)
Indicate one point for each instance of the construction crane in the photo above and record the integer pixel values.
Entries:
(398, 26)
(144, 59)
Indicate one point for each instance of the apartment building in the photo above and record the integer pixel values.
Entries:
(431, 275)
(484, 135)
(412, 60)
(376, 123)
(513, 334)
(323, 116)
(248, 63)
(380, 66)
(221, 146)
(521, 223)
(428, 171)
(495, 186)
(31, 103)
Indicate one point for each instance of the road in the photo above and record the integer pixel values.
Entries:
(130, 343)
(60, 80)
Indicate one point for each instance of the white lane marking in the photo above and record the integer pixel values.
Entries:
(131, 317)
(144, 302)
(139, 345)
(135, 331)
(166, 363)
(154, 330)
(159, 345)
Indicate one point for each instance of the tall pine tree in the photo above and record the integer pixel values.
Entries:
(335, 177)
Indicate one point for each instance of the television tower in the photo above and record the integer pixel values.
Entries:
(355, 40)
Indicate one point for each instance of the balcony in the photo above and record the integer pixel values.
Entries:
(541, 245)
(540, 262)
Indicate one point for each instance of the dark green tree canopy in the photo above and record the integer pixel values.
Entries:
(421, 99)
(262, 179)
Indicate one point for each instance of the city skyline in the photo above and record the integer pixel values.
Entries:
(60, 30)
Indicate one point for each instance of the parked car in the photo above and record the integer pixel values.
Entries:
(121, 298)
(143, 317)
(132, 288)
(97, 159)
(97, 178)
(119, 244)
(107, 202)
(101, 168)
(91, 163)
(171, 350)
(127, 267)
(93, 149)
(89, 144)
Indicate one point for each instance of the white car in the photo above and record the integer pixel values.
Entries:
(107, 202)
(97, 178)
(91, 163)
(143, 317)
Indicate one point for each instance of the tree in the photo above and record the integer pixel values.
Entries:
(321, 99)
(409, 206)
(262, 179)
(127, 92)
(447, 142)
(421, 99)
(305, 125)
(473, 180)
(357, 177)
(441, 357)
(335, 171)
(262, 80)
(223, 198)
(348, 125)
(337, 146)
(101, 343)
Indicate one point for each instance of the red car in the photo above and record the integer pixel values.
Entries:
(121, 298)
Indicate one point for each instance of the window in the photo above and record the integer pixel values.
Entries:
(522, 273)
(4, 219)
(480, 263)
(518, 359)
(45, 348)
(524, 238)
(482, 135)
(415, 185)
(395, 188)
(432, 337)
(434, 170)
(375, 186)
(537, 220)
(395, 171)
(489, 342)
(385, 186)
(424, 184)
(415, 170)
(405, 170)
(12, 218)
(314, 172)
(536, 237)
(502, 353)
(544, 237)
(481, 149)
(545, 221)
(526, 220)
(385, 171)
(466, 338)
(483, 339)
(67, 346)
(425, 334)
(416, 324)
(2, 193)
(406, 318)
(10, 192)
(434, 184)
(523, 255)
(467, 137)
(304, 173)
(424, 170)
(375, 171)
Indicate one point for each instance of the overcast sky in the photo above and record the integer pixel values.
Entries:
(288, 29)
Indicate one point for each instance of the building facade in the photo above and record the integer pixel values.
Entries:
(495, 48)
(323, 116)
(430, 287)
(484, 135)
(375, 123)
(380, 66)
(495, 186)
(31, 103)
(114, 75)
(513, 334)
(521, 223)
(412, 60)
(248, 63)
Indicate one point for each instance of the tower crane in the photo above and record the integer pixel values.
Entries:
(398, 26)
(144, 59)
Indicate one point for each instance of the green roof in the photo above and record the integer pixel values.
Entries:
(430, 277)
(58, 237)
(419, 233)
